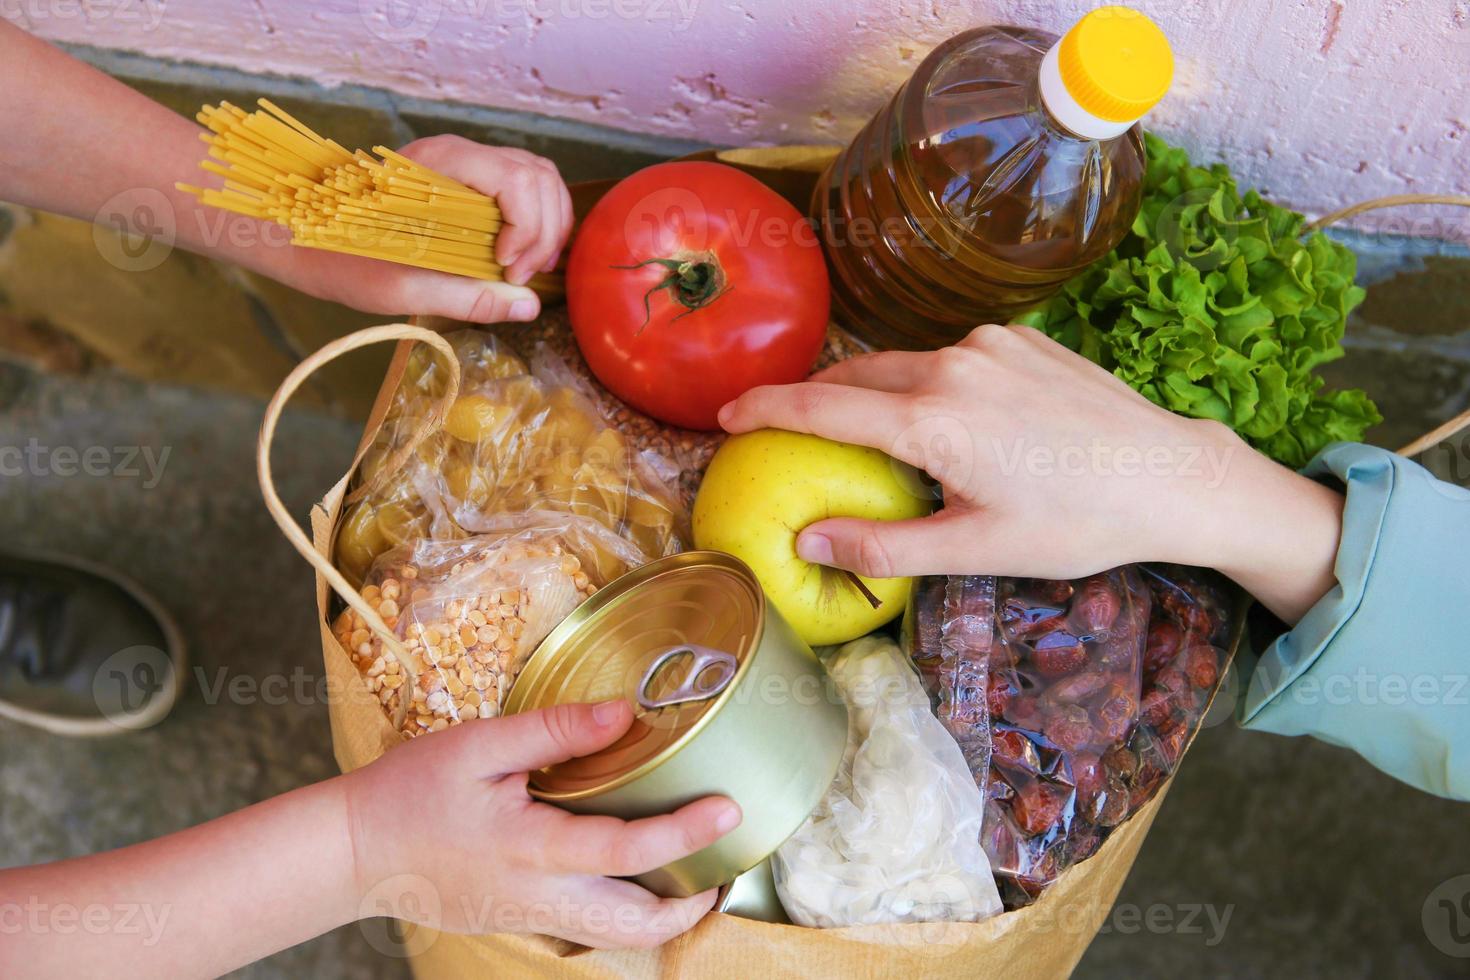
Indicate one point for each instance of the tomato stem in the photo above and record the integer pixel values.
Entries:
(693, 281)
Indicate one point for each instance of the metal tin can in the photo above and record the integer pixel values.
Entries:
(753, 896)
(728, 701)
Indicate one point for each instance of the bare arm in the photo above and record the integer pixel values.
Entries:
(76, 139)
(200, 902)
(440, 831)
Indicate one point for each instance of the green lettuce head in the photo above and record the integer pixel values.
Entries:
(1215, 307)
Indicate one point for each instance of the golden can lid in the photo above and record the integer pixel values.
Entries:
(672, 638)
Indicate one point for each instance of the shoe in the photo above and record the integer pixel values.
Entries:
(83, 651)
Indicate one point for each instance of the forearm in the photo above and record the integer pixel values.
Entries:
(1270, 529)
(75, 139)
(200, 902)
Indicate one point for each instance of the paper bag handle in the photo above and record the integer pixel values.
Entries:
(278, 511)
(1462, 421)
(1449, 430)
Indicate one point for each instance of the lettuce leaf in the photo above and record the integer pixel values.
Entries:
(1214, 307)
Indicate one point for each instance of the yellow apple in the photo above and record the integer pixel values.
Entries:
(762, 488)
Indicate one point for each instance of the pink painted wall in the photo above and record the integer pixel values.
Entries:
(1318, 102)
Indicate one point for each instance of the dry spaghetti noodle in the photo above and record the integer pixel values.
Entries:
(385, 207)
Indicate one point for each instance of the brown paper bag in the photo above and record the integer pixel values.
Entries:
(1043, 940)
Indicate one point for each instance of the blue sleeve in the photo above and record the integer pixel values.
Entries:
(1381, 665)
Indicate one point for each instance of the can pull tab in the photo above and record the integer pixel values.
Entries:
(709, 672)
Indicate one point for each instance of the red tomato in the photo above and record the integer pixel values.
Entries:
(690, 283)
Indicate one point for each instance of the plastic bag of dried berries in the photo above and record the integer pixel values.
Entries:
(1189, 630)
(955, 625)
(1071, 700)
(1064, 689)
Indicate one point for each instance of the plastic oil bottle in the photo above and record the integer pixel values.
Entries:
(1009, 161)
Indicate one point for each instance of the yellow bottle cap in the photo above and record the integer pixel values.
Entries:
(1116, 63)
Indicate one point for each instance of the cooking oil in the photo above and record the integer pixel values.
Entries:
(1009, 161)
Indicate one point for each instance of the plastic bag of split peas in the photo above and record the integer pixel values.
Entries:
(1072, 701)
(520, 503)
(469, 612)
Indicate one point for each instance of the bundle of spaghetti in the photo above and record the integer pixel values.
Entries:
(382, 207)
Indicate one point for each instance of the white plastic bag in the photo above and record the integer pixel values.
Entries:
(897, 839)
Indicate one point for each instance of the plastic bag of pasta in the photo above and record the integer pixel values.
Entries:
(897, 838)
(519, 439)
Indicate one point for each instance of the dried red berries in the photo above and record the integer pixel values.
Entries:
(1077, 688)
(1162, 646)
(1038, 806)
(1014, 749)
(1088, 775)
(1203, 666)
(1156, 708)
(1115, 803)
(1069, 728)
(1120, 762)
(1095, 606)
(1058, 654)
(1116, 713)
(1053, 591)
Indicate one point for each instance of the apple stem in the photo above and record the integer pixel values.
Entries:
(857, 583)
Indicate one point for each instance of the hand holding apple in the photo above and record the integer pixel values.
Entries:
(993, 419)
(763, 487)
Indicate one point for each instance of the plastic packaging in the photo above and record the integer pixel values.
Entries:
(1183, 661)
(469, 613)
(955, 663)
(990, 180)
(1089, 691)
(473, 535)
(897, 838)
(519, 441)
(678, 456)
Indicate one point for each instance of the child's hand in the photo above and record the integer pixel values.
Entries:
(449, 815)
(533, 199)
(538, 221)
(1052, 467)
